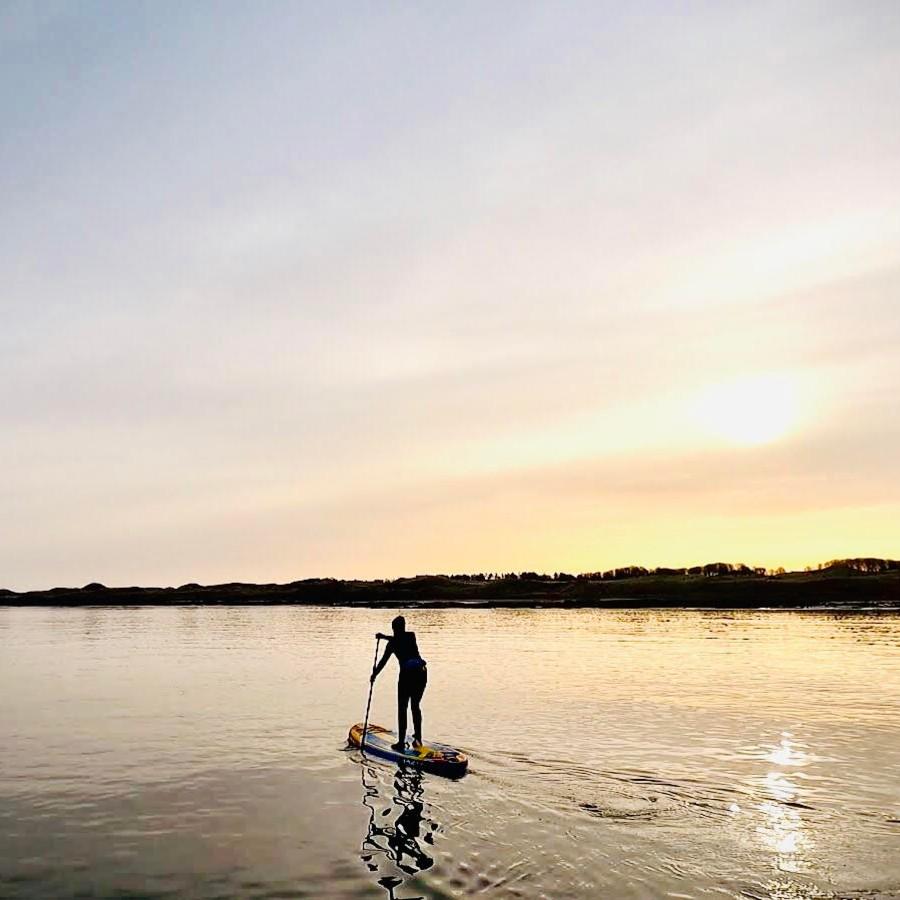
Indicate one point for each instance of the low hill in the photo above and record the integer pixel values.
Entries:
(837, 586)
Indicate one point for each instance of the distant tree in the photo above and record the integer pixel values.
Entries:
(631, 572)
(868, 564)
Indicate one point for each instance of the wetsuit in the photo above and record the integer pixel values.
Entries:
(412, 680)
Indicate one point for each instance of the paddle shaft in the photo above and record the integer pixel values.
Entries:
(362, 738)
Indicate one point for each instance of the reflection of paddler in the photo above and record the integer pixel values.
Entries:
(399, 838)
(408, 825)
(411, 681)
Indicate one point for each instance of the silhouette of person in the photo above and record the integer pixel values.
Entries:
(411, 681)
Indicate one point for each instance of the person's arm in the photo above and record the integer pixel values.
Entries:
(387, 655)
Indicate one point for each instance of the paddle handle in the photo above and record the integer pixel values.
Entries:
(362, 737)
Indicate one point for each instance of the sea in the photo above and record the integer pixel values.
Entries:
(200, 752)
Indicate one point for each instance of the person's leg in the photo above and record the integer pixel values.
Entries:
(402, 701)
(415, 698)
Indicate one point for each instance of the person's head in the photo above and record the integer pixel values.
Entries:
(399, 625)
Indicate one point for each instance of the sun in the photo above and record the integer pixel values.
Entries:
(749, 411)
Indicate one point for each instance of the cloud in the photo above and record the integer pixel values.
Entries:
(276, 281)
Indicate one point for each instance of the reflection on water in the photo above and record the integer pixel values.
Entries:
(400, 835)
(192, 754)
(787, 752)
(782, 828)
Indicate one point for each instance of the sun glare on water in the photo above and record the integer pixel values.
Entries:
(750, 411)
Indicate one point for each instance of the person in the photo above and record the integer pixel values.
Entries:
(411, 681)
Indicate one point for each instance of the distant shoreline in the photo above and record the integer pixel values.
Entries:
(850, 591)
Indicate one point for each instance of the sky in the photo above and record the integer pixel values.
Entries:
(366, 290)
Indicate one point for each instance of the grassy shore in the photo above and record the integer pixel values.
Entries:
(838, 589)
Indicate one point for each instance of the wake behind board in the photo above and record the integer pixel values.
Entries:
(437, 758)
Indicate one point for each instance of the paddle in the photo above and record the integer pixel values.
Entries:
(362, 739)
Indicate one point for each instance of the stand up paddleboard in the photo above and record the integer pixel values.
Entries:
(437, 758)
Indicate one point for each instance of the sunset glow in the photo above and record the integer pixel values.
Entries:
(291, 292)
(750, 411)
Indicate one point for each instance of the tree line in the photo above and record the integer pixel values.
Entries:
(868, 565)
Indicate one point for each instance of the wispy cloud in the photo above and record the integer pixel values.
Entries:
(368, 290)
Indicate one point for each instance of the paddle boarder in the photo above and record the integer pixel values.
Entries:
(411, 681)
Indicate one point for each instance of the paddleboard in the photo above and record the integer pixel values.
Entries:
(437, 758)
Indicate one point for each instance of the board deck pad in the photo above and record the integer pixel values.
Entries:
(433, 757)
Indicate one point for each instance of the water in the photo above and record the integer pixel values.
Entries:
(198, 753)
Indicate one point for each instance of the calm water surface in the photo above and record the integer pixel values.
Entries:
(199, 753)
